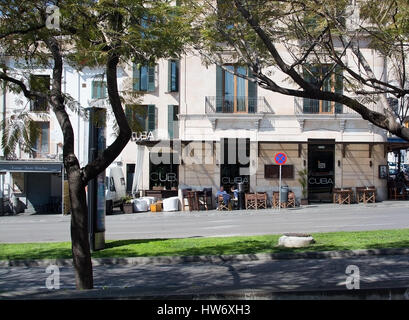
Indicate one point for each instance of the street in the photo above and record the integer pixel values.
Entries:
(147, 225)
(184, 278)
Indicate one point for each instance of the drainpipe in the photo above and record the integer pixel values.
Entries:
(2, 176)
(78, 118)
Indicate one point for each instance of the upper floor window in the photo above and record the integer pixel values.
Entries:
(173, 127)
(235, 93)
(41, 139)
(99, 90)
(40, 83)
(333, 82)
(144, 78)
(141, 117)
(173, 76)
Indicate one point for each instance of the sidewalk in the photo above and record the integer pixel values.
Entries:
(383, 275)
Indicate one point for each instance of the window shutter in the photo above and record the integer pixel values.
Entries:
(252, 94)
(151, 117)
(272, 171)
(104, 90)
(93, 90)
(170, 120)
(339, 88)
(169, 75)
(219, 89)
(136, 78)
(310, 105)
(176, 66)
(151, 79)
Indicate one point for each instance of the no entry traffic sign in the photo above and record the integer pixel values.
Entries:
(280, 158)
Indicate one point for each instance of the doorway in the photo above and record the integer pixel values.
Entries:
(321, 170)
(235, 156)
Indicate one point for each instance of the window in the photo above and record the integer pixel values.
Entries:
(39, 83)
(164, 174)
(226, 17)
(130, 173)
(99, 90)
(173, 128)
(141, 117)
(144, 78)
(333, 83)
(41, 139)
(173, 76)
(235, 93)
(235, 162)
(272, 171)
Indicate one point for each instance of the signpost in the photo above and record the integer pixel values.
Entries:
(280, 159)
(96, 187)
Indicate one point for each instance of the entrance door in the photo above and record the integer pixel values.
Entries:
(235, 160)
(321, 171)
(38, 186)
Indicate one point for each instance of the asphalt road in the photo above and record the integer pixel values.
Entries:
(320, 218)
(186, 278)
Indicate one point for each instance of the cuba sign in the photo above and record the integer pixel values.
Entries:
(315, 180)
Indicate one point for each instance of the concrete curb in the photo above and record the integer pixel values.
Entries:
(376, 293)
(217, 259)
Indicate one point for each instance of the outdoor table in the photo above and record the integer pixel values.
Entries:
(342, 195)
(193, 200)
(194, 197)
(366, 194)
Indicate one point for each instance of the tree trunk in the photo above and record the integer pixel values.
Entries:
(79, 228)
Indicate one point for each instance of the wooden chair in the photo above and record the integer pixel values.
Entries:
(205, 198)
(360, 194)
(251, 201)
(275, 199)
(220, 204)
(185, 201)
(335, 195)
(396, 194)
(261, 199)
(345, 196)
(291, 200)
(193, 200)
(370, 194)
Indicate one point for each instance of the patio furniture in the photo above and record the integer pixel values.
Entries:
(276, 200)
(205, 198)
(193, 200)
(291, 200)
(185, 201)
(149, 200)
(251, 201)
(139, 205)
(366, 194)
(396, 193)
(220, 204)
(261, 201)
(342, 195)
(161, 194)
(171, 204)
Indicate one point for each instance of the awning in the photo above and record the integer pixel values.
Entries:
(30, 166)
(397, 140)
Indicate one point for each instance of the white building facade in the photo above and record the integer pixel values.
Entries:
(202, 126)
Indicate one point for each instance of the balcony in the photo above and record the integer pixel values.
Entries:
(310, 108)
(239, 105)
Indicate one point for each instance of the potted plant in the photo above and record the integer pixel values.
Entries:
(303, 181)
(127, 204)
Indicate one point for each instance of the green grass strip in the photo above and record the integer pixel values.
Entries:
(211, 246)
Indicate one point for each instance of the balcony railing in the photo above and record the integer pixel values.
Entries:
(303, 106)
(240, 104)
